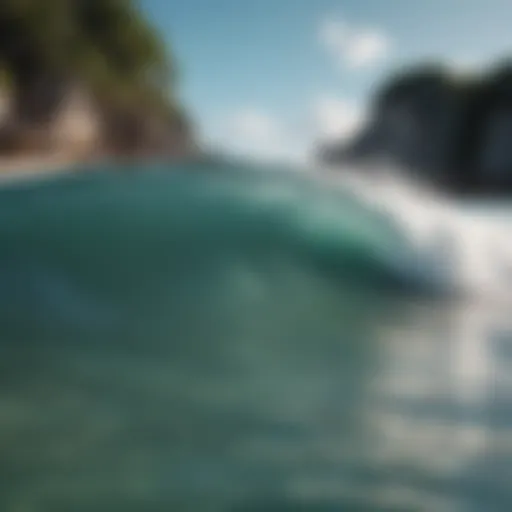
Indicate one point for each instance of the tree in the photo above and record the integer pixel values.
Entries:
(107, 44)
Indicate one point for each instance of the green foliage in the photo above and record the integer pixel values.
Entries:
(108, 44)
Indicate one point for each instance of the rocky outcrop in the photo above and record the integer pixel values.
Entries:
(495, 158)
(78, 125)
(451, 130)
(135, 131)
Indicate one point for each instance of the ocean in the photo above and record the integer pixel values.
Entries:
(230, 338)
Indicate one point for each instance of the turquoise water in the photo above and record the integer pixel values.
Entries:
(228, 339)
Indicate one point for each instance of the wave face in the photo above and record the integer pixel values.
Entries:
(98, 248)
(247, 339)
(89, 248)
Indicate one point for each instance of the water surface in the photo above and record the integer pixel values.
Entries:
(225, 339)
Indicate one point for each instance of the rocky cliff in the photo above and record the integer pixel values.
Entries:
(81, 126)
(452, 130)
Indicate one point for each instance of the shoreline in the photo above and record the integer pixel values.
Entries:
(14, 169)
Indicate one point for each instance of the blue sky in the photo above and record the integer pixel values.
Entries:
(268, 77)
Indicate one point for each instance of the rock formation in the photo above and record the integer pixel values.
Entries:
(453, 131)
(81, 126)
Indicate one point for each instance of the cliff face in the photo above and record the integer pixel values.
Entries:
(136, 131)
(455, 133)
(79, 126)
(495, 158)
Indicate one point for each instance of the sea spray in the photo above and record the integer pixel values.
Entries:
(455, 247)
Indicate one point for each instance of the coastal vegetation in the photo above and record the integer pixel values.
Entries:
(104, 51)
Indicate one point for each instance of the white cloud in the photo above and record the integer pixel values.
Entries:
(337, 118)
(355, 47)
(366, 48)
(257, 133)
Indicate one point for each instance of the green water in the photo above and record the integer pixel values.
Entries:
(230, 340)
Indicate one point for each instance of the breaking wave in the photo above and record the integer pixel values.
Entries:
(112, 244)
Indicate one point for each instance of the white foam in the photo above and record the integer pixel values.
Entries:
(462, 249)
